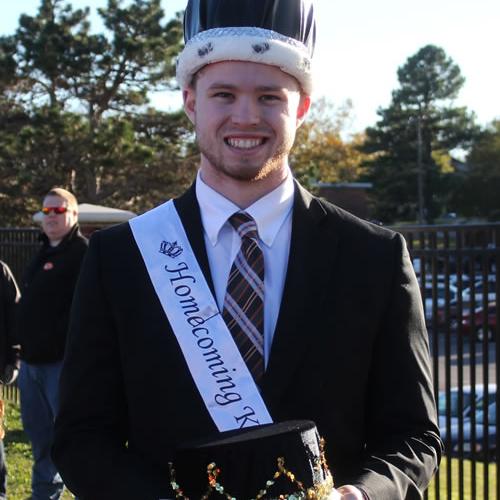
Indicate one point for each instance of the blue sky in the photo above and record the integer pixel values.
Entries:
(361, 43)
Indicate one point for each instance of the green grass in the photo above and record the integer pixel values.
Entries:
(18, 453)
(467, 481)
(19, 463)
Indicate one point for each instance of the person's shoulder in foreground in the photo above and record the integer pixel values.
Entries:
(9, 352)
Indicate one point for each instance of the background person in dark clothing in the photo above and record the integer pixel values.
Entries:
(47, 292)
(9, 296)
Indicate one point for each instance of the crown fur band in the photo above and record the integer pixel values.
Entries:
(245, 44)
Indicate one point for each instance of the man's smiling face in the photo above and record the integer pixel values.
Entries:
(246, 115)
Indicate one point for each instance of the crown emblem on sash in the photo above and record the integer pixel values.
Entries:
(171, 249)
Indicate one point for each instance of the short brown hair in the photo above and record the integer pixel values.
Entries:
(65, 195)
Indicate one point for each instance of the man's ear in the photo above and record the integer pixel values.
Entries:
(189, 98)
(303, 108)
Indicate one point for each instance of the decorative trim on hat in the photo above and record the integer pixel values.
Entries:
(245, 44)
(322, 491)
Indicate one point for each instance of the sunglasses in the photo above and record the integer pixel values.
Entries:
(56, 210)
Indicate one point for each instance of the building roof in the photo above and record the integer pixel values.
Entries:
(98, 215)
(344, 185)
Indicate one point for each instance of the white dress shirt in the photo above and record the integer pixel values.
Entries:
(273, 216)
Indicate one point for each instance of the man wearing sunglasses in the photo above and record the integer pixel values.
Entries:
(47, 291)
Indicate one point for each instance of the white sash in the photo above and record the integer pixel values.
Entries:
(219, 372)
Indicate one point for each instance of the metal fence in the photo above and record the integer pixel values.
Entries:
(17, 247)
(458, 269)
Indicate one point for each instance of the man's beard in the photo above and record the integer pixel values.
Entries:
(244, 170)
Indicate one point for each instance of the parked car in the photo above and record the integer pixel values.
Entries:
(467, 400)
(441, 295)
(450, 315)
(452, 279)
(467, 264)
(464, 414)
(488, 450)
(474, 324)
(476, 445)
(480, 289)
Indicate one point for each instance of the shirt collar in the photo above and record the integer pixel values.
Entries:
(269, 212)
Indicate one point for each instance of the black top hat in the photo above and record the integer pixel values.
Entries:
(281, 33)
(255, 463)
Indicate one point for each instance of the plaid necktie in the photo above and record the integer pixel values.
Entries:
(244, 302)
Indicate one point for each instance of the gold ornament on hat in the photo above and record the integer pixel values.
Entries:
(318, 492)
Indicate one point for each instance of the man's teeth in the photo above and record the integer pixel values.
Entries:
(244, 143)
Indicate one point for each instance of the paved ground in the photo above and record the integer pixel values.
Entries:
(478, 359)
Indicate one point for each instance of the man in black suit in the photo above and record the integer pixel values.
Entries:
(342, 338)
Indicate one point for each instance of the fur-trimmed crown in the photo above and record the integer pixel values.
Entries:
(279, 33)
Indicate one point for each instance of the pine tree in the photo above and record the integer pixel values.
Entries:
(415, 132)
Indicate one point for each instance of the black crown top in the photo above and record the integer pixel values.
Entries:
(292, 18)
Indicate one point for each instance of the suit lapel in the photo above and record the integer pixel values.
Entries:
(312, 254)
(189, 211)
(310, 263)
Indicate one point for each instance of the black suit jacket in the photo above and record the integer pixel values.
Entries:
(350, 352)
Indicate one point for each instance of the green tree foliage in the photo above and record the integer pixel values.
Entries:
(60, 60)
(478, 194)
(324, 151)
(76, 105)
(411, 141)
